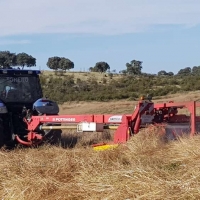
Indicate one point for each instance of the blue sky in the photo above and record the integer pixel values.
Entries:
(163, 34)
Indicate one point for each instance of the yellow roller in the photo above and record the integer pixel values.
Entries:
(105, 147)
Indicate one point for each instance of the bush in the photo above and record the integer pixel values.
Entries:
(104, 80)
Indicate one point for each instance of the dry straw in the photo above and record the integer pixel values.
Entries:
(145, 168)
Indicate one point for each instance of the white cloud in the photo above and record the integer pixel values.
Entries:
(10, 42)
(94, 16)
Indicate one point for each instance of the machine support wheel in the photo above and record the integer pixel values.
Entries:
(52, 137)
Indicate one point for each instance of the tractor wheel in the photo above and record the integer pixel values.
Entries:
(52, 137)
(1, 133)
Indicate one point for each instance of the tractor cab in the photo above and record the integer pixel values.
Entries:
(19, 87)
(20, 99)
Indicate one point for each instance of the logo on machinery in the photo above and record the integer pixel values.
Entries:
(58, 119)
(115, 118)
(17, 80)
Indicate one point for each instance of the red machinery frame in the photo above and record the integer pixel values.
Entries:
(146, 112)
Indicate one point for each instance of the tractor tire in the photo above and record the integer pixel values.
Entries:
(1, 133)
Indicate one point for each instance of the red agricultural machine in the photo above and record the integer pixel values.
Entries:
(164, 115)
(29, 119)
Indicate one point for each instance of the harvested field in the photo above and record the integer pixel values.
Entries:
(145, 168)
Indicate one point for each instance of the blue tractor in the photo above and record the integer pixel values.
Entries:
(20, 98)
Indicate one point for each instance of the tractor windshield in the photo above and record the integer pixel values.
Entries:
(20, 89)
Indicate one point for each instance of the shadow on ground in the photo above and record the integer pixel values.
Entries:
(70, 140)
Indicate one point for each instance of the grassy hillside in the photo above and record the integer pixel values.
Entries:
(145, 168)
(95, 86)
(122, 106)
(85, 76)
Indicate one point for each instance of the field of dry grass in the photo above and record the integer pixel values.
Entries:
(120, 107)
(144, 168)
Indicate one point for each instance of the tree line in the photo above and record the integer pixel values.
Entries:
(9, 60)
(134, 67)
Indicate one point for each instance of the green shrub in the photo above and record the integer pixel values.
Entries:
(65, 88)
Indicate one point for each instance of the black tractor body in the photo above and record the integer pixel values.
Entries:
(20, 97)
